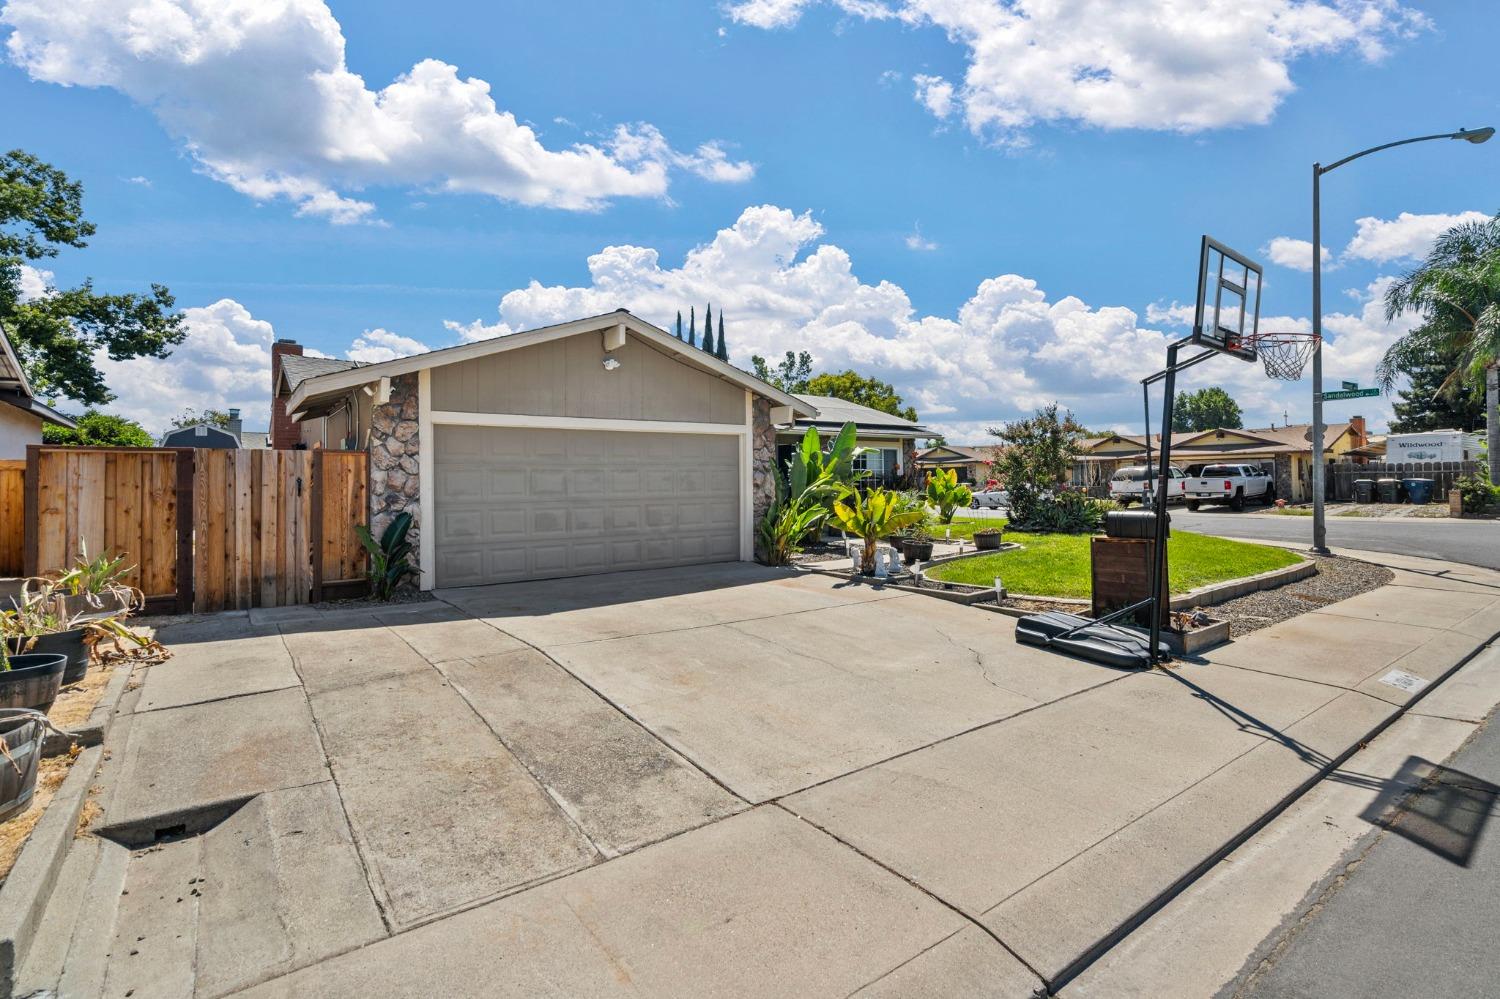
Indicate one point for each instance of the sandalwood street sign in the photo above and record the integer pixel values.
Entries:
(1351, 394)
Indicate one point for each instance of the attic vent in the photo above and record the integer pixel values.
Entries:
(1219, 434)
(201, 431)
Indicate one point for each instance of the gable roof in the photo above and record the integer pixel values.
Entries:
(832, 412)
(297, 368)
(15, 389)
(355, 375)
(959, 452)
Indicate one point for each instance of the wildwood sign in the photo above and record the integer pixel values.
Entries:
(206, 529)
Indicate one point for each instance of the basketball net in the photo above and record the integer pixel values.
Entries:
(1284, 355)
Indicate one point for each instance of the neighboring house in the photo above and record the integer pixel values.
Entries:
(590, 446)
(1285, 451)
(21, 415)
(342, 424)
(971, 463)
(230, 436)
(891, 441)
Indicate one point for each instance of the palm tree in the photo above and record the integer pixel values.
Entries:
(1456, 291)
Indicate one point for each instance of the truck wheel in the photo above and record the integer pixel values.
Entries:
(1192, 505)
(1268, 497)
(1238, 502)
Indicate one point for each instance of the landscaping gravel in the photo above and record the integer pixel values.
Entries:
(1338, 579)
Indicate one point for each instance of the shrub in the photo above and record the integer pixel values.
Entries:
(1064, 510)
(390, 557)
(1477, 491)
(945, 492)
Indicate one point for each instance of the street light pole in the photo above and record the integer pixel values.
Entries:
(1319, 470)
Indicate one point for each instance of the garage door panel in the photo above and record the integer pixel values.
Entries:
(524, 504)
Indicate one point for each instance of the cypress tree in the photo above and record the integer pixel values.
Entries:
(1420, 407)
(679, 324)
(692, 328)
(721, 352)
(708, 328)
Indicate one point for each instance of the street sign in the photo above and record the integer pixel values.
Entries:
(1350, 386)
(1353, 394)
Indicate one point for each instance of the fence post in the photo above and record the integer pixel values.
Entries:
(317, 525)
(30, 553)
(185, 507)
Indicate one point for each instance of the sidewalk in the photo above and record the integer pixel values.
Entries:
(1050, 807)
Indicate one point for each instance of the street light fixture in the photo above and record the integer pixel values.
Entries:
(1320, 527)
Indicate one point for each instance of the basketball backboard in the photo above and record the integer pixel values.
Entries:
(1227, 316)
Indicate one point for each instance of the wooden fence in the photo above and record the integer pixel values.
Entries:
(206, 529)
(1444, 475)
(12, 517)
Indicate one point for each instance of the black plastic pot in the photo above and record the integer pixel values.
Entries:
(32, 681)
(916, 551)
(987, 542)
(62, 643)
(23, 732)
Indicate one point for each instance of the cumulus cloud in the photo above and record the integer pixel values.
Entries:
(224, 362)
(377, 345)
(1011, 346)
(35, 282)
(260, 93)
(1284, 251)
(1406, 236)
(1155, 64)
(935, 94)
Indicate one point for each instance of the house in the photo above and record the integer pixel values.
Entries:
(971, 463)
(1284, 451)
(21, 413)
(591, 446)
(210, 435)
(890, 441)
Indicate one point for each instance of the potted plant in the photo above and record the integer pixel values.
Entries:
(22, 733)
(35, 627)
(916, 546)
(29, 680)
(988, 539)
(93, 587)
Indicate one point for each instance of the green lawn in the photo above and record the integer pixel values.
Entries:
(1057, 565)
(962, 526)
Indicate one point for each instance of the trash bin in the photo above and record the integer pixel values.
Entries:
(1390, 490)
(1364, 490)
(1133, 524)
(1418, 490)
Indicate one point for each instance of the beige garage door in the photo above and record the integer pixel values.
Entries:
(533, 504)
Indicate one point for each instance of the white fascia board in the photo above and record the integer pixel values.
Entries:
(341, 381)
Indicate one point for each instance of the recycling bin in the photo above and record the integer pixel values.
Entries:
(1364, 490)
(1418, 490)
(1389, 489)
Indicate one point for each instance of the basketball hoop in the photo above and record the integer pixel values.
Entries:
(1285, 354)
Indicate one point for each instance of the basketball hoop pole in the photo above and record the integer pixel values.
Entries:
(1320, 527)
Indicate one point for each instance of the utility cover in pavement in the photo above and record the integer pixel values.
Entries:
(1402, 680)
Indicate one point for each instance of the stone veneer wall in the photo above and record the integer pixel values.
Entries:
(394, 444)
(763, 458)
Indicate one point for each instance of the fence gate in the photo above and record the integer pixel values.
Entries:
(207, 529)
(12, 517)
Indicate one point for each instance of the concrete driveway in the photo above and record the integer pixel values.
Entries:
(722, 780)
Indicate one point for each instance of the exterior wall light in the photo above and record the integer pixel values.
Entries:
(611, 363)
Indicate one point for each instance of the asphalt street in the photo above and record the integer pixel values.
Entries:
(1475, 542)
(1418, 915)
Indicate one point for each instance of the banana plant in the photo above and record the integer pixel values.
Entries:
(945, 492)
(821, 476)
(390, 558)
(872, 516)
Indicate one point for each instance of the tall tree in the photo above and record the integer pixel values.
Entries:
(1456, 293)
(708, 328)
(679, 324)
(96, 429)
(58, 334)
(721, 351)
(855, 387)
(1423, 405)
(190, 416)
(692, 328)
(1206, 409)
(790, 375)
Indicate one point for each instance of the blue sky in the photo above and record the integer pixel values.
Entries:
(969, 169)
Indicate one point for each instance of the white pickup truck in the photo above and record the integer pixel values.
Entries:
(1137, 483)
(1232, 484)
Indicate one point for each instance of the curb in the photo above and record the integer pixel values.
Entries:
(1218, 593)
(28, 887)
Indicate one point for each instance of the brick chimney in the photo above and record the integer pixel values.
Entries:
(1357, 431)
(284, 433)
(234, 424)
